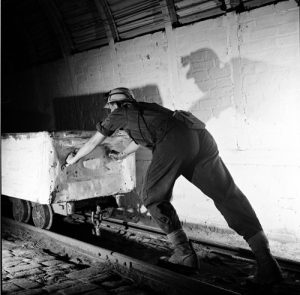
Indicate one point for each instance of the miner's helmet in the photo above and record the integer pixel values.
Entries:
(120, 94)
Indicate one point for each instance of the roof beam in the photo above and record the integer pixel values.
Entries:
(108, 20)
(169, 11)
(52, 13)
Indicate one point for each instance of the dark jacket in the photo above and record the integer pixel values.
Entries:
(145, 123)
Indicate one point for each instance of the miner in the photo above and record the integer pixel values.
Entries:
(181, 145)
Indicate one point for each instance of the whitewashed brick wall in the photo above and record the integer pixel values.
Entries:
(238, 73)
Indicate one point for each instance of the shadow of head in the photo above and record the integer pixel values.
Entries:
(258, 85)
(213, 78)
(204, 66)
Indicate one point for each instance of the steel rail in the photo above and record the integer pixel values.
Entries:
(218, 248)
(179, 283)
(214, 247)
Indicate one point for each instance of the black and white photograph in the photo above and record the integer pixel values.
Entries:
(150, 147)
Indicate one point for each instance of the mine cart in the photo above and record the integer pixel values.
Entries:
(33, 179)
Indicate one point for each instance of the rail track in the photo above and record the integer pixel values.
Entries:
(168, 281)
(217, 248)
(212, 279)
(212, 247)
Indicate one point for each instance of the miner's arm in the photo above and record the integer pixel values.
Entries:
(131, 148)
(88, 147)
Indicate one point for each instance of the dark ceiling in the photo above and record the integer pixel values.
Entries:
(39, 31)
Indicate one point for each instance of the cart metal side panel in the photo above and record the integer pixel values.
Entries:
(31, 167)
(25, 160)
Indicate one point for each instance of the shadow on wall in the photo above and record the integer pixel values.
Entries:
(252, 88)
(79, 112)
(16, 119)
(265, 95)
(85, 111)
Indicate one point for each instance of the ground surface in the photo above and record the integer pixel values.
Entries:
(28, 267)
(19, 262)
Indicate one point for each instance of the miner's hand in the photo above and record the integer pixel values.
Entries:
(68, 160)
(117, 156)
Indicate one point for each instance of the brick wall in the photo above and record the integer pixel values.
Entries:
(238, 73)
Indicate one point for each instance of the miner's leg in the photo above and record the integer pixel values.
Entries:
(166, 217)
(268, 270)
(213, 178)
(215, 181)
(161, 175)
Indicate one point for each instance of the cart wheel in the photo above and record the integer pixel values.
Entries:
(42, 216)
(21, 210)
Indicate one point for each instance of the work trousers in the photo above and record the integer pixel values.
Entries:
(194, 154)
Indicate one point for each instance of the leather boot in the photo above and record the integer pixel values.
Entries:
(268, 270)
(184, 254)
